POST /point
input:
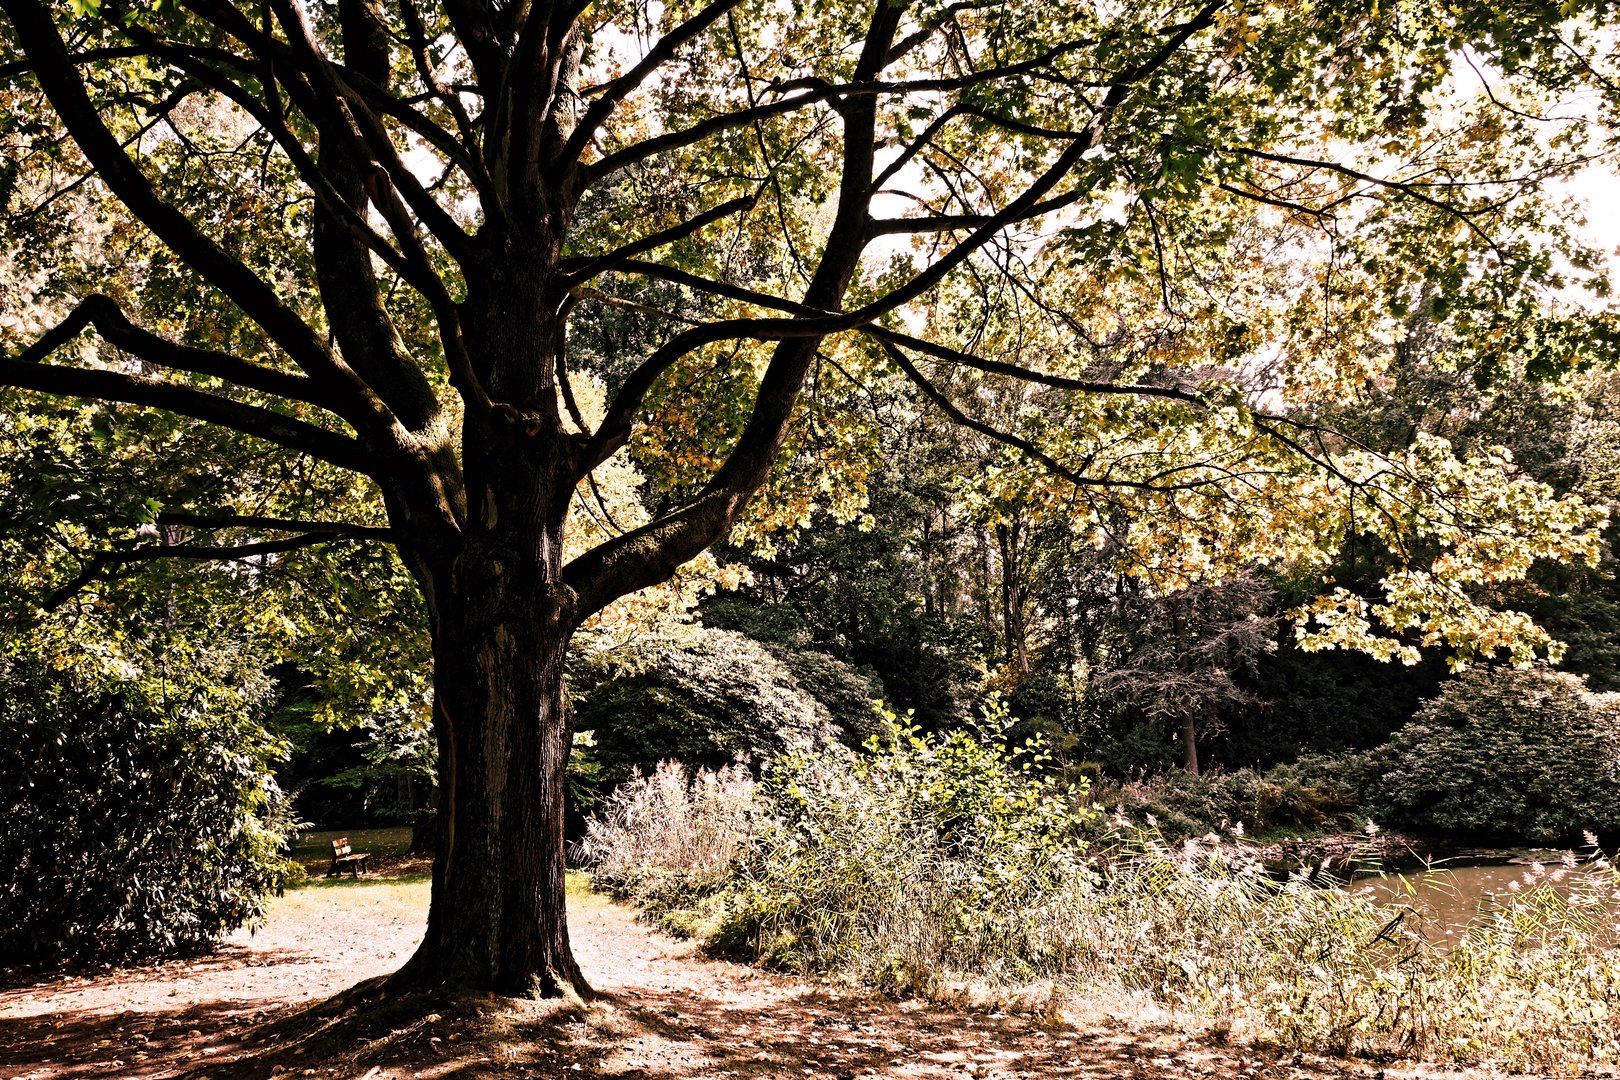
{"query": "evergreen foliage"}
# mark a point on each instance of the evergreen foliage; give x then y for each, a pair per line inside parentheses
(136, 825)
(706, 697)
(1524, 753)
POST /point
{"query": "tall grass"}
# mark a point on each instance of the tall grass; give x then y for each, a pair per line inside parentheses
(666, 838)
(924, 861)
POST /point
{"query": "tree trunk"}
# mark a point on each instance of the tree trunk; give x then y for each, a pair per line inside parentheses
(1189, 742)
(1012, 597)
(497, 920)
(501, 622)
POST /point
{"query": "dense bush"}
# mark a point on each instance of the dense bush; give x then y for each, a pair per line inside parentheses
(850, 695)
(1313, 793)
(1530, 753)
(706, 697)
(913, 854)
(916, 854)
(927, 860)
(133, 826)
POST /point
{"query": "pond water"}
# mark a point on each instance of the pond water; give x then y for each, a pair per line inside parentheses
(1453, 895)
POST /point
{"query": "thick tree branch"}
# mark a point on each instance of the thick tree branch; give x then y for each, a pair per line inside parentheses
(650, 554)
(37, 34)
(353, 116)
(104, 565)
(343, 236)
(104, 385)
(474, 26)
(416, 33)
(531, 109)
(115, 327)
(201, 65)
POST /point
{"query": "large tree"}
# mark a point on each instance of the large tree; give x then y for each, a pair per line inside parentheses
(407, 242)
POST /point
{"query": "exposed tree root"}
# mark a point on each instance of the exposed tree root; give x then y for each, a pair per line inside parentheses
(379, 1026)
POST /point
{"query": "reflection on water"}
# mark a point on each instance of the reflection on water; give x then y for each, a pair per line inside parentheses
(1453, 896)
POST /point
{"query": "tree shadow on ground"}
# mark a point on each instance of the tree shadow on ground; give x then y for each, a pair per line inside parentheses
(146, 1044)
(663, 1013)
(65, 1041)
(19, 984)
(844, 1036)
(368, 1033)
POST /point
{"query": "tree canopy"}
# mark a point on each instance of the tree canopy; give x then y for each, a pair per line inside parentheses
(427, 274)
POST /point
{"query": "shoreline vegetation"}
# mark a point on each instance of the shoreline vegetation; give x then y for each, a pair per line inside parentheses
(924, 862)
(1345, 854)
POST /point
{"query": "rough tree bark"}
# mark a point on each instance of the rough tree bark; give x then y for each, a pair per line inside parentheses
(497, 916)
(501, 617)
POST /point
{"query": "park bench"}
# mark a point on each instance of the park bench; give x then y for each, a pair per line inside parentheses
(343, 857)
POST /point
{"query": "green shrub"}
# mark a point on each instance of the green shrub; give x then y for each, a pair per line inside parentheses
(1531, 753)
(850, 695)
(706, 697)
(133, 827)
(918, 855)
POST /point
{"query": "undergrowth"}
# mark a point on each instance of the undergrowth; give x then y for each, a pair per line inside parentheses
(1313, 794)
(928, 859)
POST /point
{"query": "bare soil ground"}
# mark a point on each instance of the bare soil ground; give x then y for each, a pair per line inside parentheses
(263, 1006)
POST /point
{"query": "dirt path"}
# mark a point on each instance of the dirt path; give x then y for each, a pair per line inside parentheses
(664, 1013)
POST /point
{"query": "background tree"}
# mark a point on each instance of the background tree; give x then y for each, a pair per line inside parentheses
(365, 240)
(1181, 657)
(900, 590)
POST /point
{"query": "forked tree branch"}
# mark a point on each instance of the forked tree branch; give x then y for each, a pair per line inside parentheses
(582, 270)
(617, 90)
(103, 313)
(39, 38)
